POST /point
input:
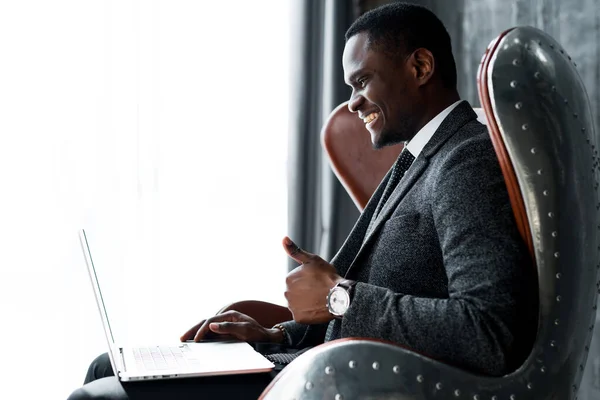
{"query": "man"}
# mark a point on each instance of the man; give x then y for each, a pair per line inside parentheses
(435, 262)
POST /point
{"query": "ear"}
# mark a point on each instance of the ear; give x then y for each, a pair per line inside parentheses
(423, 65)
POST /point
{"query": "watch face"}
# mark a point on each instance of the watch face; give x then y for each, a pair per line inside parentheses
(339, 301)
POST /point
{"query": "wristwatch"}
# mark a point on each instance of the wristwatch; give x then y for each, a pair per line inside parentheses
(339, 298)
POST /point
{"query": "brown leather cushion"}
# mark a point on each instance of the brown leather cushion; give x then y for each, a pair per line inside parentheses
(358, 166)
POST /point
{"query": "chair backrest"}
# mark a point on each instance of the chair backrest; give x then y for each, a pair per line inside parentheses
(540, 122)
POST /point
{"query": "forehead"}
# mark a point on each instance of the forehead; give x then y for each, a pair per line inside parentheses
(360, 57)
(356, 54)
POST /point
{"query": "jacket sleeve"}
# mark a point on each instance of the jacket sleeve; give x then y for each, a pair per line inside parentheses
(300, 336)
(490, 276)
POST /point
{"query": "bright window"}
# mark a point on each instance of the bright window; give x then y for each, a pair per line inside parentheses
(160, 127)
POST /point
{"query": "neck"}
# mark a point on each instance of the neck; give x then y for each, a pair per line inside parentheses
(436, 104)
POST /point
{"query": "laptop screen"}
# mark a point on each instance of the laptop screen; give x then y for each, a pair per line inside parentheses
(99, 300)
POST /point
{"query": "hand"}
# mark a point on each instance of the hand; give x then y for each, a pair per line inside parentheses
(308, 285)
(234, 324)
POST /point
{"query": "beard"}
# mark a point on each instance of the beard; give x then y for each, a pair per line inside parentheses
(404, 130)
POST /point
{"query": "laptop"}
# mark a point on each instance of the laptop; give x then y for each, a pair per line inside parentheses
(175, 360)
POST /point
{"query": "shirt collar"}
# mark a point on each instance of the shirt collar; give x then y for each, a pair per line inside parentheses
(418, 142)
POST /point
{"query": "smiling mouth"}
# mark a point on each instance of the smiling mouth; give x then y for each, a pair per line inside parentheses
(370, 118)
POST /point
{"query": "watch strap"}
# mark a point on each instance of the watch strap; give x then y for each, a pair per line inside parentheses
(349, 286)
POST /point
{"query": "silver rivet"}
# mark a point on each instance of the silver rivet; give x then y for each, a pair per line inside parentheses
(457, 393)
(540, 171)
(519, 105)
(309, 385)
(512, 397)
(513, 84)
(328, 370)
(582, 129)
(556, 321)
(533, 150)
(505, 47)
(476, 397)
(566, 101)
(556, 255)
(396, 369)
(352, 364)
(551, 214)
(558, 275)
(339, 397)
(554, 234)
(553, 343)
(494, 397)
(529, 386)
(558, 298)
(420, 378)
(537, 75)
(542, 369)
(517, 40)
(551, 46)
(524, 127)
(575, 115)
(438, 386)
(553, 88)
(545, 193)
(375, 365)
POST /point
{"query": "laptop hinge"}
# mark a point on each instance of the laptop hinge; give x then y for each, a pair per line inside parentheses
(122, 359)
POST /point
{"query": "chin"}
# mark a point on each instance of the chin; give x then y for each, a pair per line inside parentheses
(376, 141)
(382, 140)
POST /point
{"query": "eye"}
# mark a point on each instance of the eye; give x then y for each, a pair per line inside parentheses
(361, 81)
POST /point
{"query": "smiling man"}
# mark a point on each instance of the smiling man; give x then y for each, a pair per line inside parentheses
(435, 262)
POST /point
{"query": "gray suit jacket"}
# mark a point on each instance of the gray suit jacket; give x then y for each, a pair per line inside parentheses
(443, 270)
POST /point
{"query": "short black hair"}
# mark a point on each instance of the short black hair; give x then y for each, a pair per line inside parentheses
(398, 29)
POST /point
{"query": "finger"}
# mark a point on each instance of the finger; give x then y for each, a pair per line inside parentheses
(229, 330)
(203, 330)
(189, 335)
(224, 327)
(295, 252)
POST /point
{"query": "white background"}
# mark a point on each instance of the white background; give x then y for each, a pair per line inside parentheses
(160, 127)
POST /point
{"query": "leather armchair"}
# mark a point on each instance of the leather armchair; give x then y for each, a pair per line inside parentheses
(540, 122)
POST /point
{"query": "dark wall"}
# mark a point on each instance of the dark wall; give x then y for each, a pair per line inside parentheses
(575, 24)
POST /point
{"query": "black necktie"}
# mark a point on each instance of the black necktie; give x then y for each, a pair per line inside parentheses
(400, 167)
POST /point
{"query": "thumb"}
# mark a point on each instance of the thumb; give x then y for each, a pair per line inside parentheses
(295, 252)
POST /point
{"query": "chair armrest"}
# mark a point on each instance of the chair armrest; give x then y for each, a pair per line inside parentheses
(266, 314)
(358, 368)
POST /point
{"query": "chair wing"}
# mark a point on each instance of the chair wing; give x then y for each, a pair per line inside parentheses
(540, 122)
(358, 166)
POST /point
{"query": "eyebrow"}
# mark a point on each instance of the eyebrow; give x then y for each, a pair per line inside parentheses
(352, 78)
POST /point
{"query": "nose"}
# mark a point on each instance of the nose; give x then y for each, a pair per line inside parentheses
(356, 100)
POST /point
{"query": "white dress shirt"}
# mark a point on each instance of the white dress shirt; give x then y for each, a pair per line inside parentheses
(418, 142)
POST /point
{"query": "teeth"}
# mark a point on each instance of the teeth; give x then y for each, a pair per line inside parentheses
(370, 117)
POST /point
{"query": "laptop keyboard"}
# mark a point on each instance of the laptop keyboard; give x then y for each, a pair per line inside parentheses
(160, 358)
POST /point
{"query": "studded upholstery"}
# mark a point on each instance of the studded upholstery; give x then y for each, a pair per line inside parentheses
(540, 123)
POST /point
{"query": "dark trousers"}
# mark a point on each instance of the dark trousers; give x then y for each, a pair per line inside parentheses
(100, 383)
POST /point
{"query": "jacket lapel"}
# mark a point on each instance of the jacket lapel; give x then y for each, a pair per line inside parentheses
(347, 253)
(461, 114)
